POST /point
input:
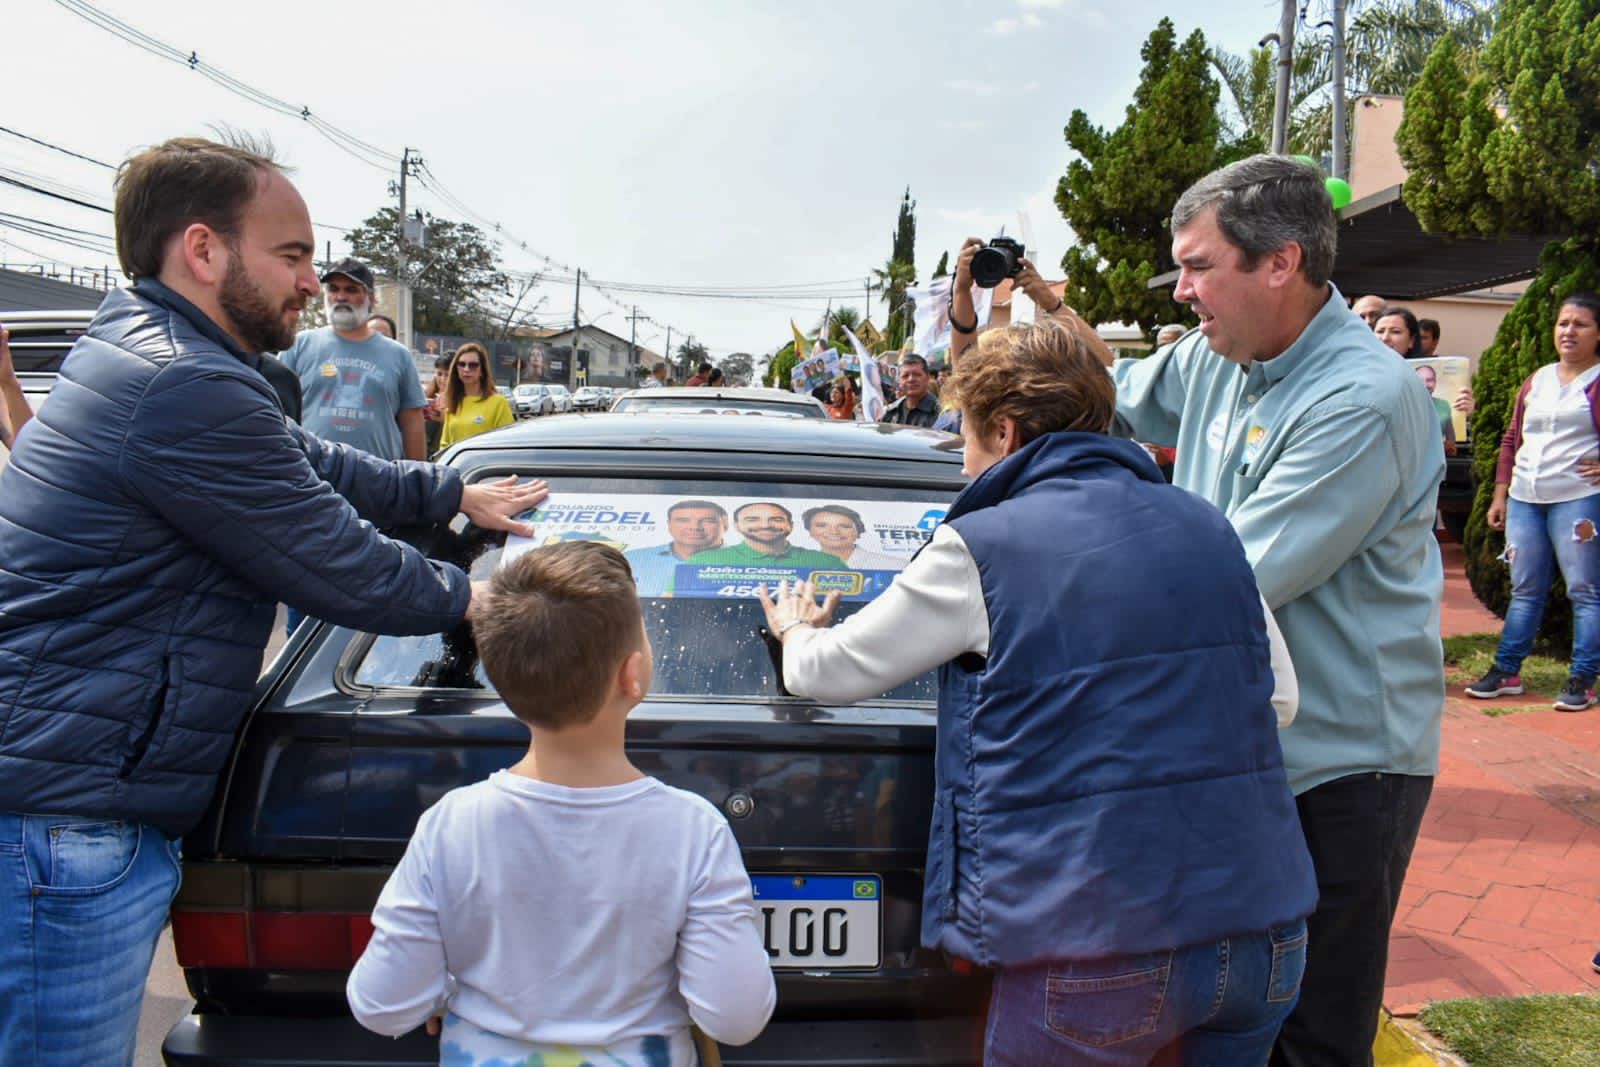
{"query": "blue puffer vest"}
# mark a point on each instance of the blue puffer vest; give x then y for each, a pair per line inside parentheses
(1109, 780)
(152, 514)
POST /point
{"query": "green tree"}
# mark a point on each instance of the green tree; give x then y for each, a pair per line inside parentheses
(943, 269)
(836, 321)
(738, 367)
(1118, 194)
(1533, 169)
(1250, 87)
(455, 275)
(783, 361)
(893, 279)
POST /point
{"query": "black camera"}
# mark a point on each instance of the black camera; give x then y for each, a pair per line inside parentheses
(996, 261)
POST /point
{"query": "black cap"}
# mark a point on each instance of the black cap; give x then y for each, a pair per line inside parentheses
(353, 269)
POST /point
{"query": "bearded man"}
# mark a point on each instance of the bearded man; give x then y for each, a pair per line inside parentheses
(359, 387)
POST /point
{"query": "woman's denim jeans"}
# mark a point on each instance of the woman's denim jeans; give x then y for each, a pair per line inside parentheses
(1540, 537)
(1214, 1005)
(82, 902)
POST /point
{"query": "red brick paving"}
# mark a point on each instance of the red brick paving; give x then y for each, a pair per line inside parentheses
(1503, 897)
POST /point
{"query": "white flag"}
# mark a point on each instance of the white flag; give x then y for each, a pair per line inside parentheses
(931, 335)
(871, 382)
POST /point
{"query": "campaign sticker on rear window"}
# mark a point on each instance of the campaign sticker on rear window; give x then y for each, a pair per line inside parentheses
(713, 546)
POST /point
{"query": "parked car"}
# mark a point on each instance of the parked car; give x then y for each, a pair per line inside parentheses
(40, 340)
(589, 398)
(530, 400)
(703, 400)
(354, 735)
(561, 398)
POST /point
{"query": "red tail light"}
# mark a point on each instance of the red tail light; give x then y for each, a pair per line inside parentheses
(290, 941)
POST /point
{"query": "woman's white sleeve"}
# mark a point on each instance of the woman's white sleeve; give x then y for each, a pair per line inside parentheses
(1285, 686)
(932, 613)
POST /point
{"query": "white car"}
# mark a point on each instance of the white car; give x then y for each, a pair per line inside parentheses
(715, 400)
(561, 398)
(529, 400)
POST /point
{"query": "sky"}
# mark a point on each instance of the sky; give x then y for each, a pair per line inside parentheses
(747, 147)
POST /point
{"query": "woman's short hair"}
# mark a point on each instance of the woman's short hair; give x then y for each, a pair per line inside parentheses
(1411, 324)
(1586, 300)
(834, 509)
(1042, 376)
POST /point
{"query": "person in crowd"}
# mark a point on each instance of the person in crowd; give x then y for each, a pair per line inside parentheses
(433, 413)
(766, 527)
(359, 387)
(1289, 415)
(1402, 331)
(15, 410)
(836, 529)
(1547, 500)
(1428, 329)
(654, 915)
(1088, 812)
(1368, 308)
(1170, 333)
(841, 400)
(384, 325)
(151, 516)
(702, 375)
(916, 405)
(1441, 407)
(693, 526)
(658, 377)
(472, 405)
(716, 379)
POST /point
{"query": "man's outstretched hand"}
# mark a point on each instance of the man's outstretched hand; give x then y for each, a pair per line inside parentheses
(495, 505)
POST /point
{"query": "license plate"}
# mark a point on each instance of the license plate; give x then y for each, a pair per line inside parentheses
(819, 921)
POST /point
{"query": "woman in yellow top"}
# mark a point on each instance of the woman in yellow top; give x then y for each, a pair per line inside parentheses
(471, 403)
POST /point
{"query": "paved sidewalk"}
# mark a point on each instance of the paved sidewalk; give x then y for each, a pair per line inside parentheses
(1503, 896)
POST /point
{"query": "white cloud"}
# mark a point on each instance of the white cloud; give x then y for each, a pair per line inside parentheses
(973, 86)
(1032, 21)
(1003, 27)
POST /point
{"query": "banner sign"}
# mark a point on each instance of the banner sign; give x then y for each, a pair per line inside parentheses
(815, 370)
(716, 546)
(1449, 375)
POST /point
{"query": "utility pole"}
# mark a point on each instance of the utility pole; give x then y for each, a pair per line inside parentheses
(633, 340)
(668, 352)
(408, 159)
(1341, 157)
(572, 364)
(1280, 108)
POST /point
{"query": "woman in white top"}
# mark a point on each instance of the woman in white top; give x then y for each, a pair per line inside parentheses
(1547, 500)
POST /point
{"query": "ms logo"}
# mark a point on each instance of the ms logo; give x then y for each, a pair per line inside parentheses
(931, 519)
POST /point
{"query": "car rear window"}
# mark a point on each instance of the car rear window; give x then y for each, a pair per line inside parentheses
(688, 405)
(698, 552)
(41, 351)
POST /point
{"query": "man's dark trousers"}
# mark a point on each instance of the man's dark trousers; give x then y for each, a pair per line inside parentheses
(1360, 830)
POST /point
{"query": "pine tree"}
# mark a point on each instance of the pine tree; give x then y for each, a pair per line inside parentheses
(1535, 169)
(1118, 195)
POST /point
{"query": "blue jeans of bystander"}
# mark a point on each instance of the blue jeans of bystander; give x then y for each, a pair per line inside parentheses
(1539, 538)
(1213, 1005)
(82, 902)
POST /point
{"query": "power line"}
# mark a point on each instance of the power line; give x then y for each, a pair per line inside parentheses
(57, 196)
(58, 148)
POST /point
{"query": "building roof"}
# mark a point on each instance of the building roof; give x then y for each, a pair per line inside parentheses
(24, 291)
(1383, 249)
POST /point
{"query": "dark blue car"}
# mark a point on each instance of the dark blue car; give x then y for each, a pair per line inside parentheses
(353, 736)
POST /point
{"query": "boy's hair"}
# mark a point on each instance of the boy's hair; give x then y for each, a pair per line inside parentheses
(554, 627)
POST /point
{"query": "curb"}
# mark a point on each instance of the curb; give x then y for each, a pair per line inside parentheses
(1406, 1043)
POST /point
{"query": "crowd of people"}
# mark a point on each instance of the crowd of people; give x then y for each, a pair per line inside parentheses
(1185, 738)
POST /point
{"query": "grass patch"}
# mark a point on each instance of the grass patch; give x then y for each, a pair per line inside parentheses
(1468, 657)
(1542, 1031)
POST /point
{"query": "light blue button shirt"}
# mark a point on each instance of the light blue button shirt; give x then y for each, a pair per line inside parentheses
(1327, 459)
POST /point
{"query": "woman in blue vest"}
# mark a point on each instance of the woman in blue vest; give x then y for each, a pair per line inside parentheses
(1112, 829)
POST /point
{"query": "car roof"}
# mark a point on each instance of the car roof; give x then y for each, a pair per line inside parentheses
(692, 393)
(721, 433)
(60, 317)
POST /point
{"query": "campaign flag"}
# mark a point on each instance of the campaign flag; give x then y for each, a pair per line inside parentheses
(801, 347)
(871, 409)
(931, 333)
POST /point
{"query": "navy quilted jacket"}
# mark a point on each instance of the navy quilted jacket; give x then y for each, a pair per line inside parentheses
(152, 515)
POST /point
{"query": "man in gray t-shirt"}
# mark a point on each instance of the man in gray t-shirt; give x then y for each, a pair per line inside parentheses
(360, 388)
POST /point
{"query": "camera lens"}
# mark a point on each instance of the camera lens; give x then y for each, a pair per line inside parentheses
(991, 266)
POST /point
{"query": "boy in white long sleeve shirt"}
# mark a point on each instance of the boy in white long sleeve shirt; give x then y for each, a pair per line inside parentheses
(569, 906)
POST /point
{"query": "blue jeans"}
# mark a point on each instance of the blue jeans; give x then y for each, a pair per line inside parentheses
(1212, 1005)
(82, 902)
(1540, 537)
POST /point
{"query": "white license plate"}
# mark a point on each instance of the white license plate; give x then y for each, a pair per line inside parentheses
(819, 921)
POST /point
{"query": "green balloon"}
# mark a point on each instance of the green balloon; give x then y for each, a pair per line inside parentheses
(1339, 190)
(1308, 161)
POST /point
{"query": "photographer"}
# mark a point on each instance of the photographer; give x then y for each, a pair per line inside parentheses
(1024, 277)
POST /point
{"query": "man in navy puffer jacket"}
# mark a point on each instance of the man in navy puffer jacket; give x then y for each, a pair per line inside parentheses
(152, 514)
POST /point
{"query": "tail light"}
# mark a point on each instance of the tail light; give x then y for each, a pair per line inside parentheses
(236, 915)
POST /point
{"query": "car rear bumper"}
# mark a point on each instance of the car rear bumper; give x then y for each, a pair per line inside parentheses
(259, 1041)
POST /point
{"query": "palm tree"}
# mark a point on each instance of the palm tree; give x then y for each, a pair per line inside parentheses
(836, 321)
(1389, 42)
(895, 277)
(1250, 83)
